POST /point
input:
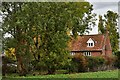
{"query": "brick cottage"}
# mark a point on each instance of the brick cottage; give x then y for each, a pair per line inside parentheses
(91, 45)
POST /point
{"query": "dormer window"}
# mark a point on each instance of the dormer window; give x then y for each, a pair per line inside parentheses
(90, 43)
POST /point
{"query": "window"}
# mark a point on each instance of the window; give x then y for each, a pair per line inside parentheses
(90, 43)
(72, 53)
(87, 53)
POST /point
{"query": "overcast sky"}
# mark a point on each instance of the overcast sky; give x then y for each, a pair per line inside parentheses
(101, 7)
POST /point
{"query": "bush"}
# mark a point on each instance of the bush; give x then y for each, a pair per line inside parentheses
(73, 67)
(95, 62)
(8, 65)
(11, 68)
(110, 60)
(81, 63)
(38, 65)
(117, 60)
(78, 64)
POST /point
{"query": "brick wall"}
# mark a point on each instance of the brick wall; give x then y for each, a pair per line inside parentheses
(95, 54)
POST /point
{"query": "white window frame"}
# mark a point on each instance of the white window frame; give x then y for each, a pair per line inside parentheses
(90, 43)
(72, 53)
(87, 53)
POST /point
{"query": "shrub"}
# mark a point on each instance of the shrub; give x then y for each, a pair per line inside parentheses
(78, 64)
(38, 65)
(117, 60)
(11, 68)
(8, 65)
(73, 67)
(109, 60)
(82, 62)
(95, 62)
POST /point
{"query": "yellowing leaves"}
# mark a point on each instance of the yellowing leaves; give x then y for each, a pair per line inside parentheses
(10, 53)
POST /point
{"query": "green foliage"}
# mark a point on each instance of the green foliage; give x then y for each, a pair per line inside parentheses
(101, 27)
(97, 61)
(11, 69)
(110, 24)
(48, 23)
(117, 62)
(110, 60)
(78, 64)
(8, 65)
(72, 67)
(14, 24)
(81, 63)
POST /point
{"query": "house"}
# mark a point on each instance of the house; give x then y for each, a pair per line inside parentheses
(91, 45)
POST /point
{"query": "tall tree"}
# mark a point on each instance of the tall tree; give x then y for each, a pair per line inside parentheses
(15, 24)
(110, 24)
(41, 29)
(101, 27)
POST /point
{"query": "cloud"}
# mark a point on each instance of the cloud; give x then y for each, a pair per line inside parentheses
(101, 5)
(100, 8)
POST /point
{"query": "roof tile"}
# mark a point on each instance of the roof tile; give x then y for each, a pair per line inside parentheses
(80, 43)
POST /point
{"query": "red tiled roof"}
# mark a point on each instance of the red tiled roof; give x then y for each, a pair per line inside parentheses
(80, 43)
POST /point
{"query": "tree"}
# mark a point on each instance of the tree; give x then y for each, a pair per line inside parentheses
(54, 39)
(41, 29)
(110, 24)
(101, 27)
(14, 23)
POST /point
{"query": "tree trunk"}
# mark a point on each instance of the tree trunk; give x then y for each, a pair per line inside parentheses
(21, 67)
(20, 60)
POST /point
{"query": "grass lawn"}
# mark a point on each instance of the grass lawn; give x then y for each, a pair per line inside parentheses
(100, 74)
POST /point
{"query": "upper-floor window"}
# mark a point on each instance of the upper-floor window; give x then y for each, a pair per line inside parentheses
(90, 43)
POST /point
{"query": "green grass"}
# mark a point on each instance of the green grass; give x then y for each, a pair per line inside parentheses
(100, 74)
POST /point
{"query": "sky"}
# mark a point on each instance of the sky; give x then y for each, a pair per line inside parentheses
(101, 7)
